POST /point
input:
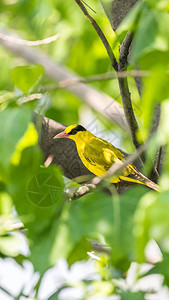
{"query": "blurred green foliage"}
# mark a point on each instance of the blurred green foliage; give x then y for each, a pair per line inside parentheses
(35, 195)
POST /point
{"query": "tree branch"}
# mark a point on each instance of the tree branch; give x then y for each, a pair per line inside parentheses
(124, 51)
(119, 9)
(29, 43)
(100, 34)
(157, 165)
(63, 152)
(158, 159)
(123, 84)
(124, 90)
(99, 101)
(115, 170)
(98, 77)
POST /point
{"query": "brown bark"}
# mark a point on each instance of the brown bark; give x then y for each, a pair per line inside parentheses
(63, 151)
(120, 8)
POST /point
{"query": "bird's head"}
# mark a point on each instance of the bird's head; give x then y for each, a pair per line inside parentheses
(74, 132)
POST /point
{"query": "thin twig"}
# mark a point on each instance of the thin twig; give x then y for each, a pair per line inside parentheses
(8, 225)
(100, 77)
(128, 110)
(5, 291)
(30, 98)
(89, 6)
(14, 226)
(125, 93)
(154, 126)
(158, 160)
(100, 34)
(15, 40)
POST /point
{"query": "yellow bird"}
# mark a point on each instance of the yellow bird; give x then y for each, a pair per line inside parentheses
(99, 155)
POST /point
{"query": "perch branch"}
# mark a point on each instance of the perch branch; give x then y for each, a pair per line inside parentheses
(63, 152)
(115, 169)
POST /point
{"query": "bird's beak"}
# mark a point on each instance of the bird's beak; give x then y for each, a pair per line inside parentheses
(61, 135)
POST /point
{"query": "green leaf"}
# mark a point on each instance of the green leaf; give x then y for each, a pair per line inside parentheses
(152, 222)
(162, 132)
(41, 190)
(128, 295)
(159, 4)
(102, 288)
(152, 34)
(20, 259)
(98, 215)
(38, 199)
(29, 138)
(9, 245)
(111, 217)
(24, 77)
(79, 252)
(41, 243)
(156, 89)
(14, 123)
(37, 192)
(5, 204)
(107, 6)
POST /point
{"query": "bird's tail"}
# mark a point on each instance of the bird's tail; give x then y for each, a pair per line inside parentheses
(140, 178)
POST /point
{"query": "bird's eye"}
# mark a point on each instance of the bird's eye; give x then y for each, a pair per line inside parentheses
(74, 131)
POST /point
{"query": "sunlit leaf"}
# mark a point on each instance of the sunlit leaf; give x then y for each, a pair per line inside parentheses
(102, 288)
(79, 252)
(38, 199)
(9, 245)
(14, 123)
(99, 215)
(30, 138)
(159, 4)
(156, 89)
(24, 77)
(152, 34)
(152, 221)
(5, 204)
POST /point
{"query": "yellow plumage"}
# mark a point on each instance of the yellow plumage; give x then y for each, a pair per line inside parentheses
(99, 155)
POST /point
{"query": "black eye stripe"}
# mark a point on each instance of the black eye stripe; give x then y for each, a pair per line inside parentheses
(73, 131)
(76, 129)
(80, 128)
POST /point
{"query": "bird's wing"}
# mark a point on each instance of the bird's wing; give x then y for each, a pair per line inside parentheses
(101, 154)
